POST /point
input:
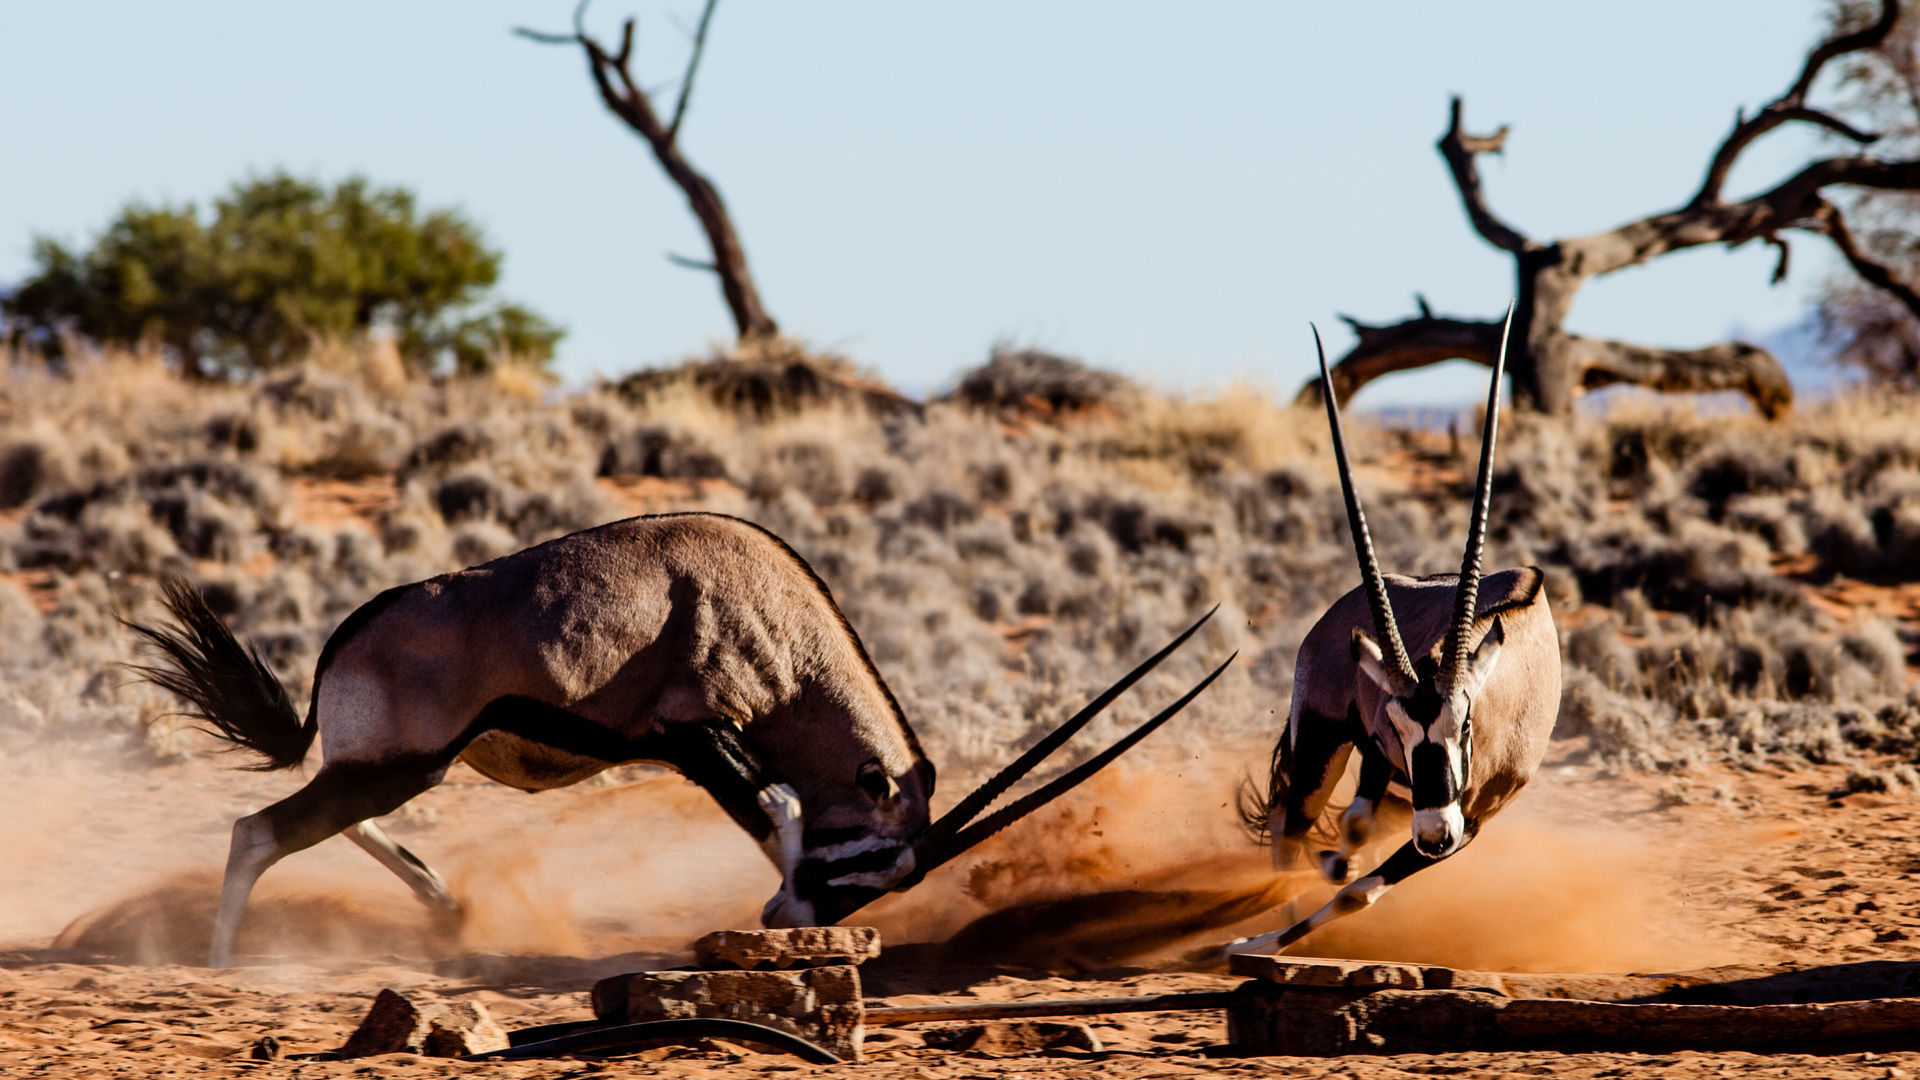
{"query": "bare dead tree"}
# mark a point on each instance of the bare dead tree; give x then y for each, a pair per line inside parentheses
(621, 93)
(1863, 313)
(1550, 366)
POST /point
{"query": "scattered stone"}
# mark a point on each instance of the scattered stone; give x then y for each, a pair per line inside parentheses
(265, 1048)
(398, 1024)
(803, 947)
(820, 1004)
(1296, 971)
(1014, 1038)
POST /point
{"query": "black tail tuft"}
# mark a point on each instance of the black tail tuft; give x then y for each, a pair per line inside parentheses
(225, 683)
(1256, 807)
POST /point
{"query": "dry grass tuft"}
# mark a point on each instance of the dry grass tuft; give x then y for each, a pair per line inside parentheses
(1711, 575)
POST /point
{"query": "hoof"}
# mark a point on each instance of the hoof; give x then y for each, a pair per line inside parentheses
(1333, 867)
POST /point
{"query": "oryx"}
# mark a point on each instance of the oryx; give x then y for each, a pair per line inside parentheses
(1450, 701)
(697, 641)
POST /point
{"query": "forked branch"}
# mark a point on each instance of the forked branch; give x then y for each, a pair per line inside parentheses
(1460, 149)
(1791, 106)
(1834, 224)
(613, 77)
(1415, 343)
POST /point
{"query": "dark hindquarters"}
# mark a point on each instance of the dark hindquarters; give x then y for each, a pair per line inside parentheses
(223, 682)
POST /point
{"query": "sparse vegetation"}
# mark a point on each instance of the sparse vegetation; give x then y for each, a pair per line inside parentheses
(1728, 590)
(282, 262)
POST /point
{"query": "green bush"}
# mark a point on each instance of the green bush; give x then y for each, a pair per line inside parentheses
(282, 262)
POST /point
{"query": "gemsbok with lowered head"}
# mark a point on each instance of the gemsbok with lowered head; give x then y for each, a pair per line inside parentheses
(1457, 732)
(697, 641)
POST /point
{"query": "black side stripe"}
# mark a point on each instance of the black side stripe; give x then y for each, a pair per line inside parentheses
(710, 752)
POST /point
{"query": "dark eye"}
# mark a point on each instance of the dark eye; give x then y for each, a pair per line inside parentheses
(873, 780)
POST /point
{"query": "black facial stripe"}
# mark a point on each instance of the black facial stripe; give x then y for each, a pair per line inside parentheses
(864, 863)
(812, 875)
(1423, 707)
(822, 837)
(1432, 777)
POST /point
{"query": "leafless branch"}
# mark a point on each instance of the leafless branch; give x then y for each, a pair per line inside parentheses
(1737, 366)
(693, 65)
(1865, 38)
(690, 263)
(545, 38)
(1415, 343)
(1460, 148)
(1834, 224)
(1791, 106)
(622, 94)
(1779, 243)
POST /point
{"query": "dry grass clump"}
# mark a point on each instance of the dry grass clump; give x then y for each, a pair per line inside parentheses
(1031, 381)
(999, 572)
(766, 378)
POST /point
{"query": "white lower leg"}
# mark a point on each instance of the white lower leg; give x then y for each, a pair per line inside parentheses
(784, 848)
(1356, 823)
(254, 849)
(428, 886)
(1355, 897)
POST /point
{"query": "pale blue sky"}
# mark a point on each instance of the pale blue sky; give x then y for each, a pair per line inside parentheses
(1172, 190)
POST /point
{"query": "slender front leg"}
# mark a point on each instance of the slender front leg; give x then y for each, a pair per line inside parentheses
(712, 754)
(1300, 790)
(1357, 896)
(1356, 821)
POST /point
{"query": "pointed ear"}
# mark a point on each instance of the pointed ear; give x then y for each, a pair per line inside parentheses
(1367, 654)
(1485, 655)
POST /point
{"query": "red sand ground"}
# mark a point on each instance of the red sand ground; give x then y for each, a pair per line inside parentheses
(1585, 874)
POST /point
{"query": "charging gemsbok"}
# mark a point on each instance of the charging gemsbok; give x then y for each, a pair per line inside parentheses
(1458, 732)
(695, 640)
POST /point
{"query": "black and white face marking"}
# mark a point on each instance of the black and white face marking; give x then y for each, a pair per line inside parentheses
(1434, 728)
(822, 865)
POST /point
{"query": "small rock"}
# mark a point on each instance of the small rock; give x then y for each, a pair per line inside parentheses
(822, 1004)
(1014, 1038)
(398, 1024)
(265, 1048)
(802, 947)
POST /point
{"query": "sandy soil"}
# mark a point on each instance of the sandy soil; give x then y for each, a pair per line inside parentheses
(111, 880)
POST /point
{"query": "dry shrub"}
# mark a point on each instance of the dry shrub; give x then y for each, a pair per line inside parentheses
(1016, 380)
(999, 572)
(765, 379)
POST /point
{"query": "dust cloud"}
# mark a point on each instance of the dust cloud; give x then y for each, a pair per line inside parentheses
(1138, 867)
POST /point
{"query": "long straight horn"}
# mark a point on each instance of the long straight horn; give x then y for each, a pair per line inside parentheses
(1384, 627)
(1067, 781)
(983, 796)
(1466, 596)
